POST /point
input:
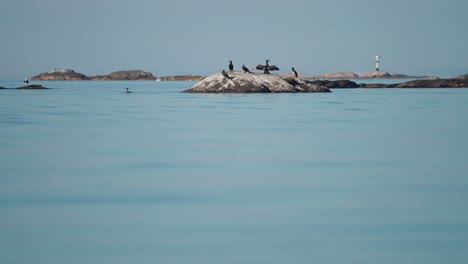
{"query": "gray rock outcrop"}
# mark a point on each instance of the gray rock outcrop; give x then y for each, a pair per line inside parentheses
(32, 87)
(183, 78)
(60, 74)
(71, 75)
(341, 75)
(457, 82)
(376, 74)
(368, 75)
(126, 75)
(240, 82)
(335, 84)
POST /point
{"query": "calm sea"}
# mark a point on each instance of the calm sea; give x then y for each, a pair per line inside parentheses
(89, 174)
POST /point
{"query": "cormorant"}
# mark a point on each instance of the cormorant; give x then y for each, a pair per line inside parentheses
(226, 76)
(294, 72)
(128, 91)
(26, 81)
(246, 70)
(231, 66)
(267, 68)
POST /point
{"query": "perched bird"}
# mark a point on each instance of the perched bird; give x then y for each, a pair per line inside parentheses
(231, 66)
(267, 68)
(226, 76)
(246, 70)
(294, 72)
(127, 91)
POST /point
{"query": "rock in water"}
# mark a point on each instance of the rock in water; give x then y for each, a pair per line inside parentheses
(126, 75)
(376, 75)
(253, 83)
(335, 84)
(60, 74)
(183, 78)
(32, 87)
(340, 75)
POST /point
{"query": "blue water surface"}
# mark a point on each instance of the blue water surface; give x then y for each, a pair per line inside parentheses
(90, 174)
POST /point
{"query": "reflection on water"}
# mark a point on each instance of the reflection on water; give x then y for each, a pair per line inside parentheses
(90, 174)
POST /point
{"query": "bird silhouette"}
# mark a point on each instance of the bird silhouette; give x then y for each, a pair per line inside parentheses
(226, 76)
(294, 72)
(246, 70)
(267, 68)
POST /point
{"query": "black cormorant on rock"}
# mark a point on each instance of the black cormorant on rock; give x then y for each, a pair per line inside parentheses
(294, 72)
(267, 68)
(246, 70)
(226, 76)
(231, 66)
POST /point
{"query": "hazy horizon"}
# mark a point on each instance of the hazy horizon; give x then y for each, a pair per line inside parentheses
(184, 37)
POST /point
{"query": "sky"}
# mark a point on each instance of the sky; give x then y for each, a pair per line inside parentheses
(172, 37)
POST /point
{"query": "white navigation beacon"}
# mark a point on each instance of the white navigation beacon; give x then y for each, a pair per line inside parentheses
(377, 57)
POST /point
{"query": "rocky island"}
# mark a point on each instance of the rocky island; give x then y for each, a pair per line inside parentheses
(183, 78)
(71, 75)
(125, 76)
(28, 87)
(240, 82)
(456, 82)
(32, 87)
(368, 75)
(131, 75)
(60, 74)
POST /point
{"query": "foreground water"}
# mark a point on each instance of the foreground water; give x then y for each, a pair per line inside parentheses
(89, 174)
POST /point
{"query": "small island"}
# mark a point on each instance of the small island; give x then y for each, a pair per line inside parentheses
(456, 82)
(241, 82)
(367, 75)
(71, 75)
(32, 87)
(183, 78)
(60, 74)
(27, 87)
(129, 75)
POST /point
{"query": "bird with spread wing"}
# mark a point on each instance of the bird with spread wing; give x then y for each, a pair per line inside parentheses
(267, 68)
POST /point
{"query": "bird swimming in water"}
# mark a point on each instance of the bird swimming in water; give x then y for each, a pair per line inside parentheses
(127, 91)
(294, 72)
(267, 68)
(246, 70)
(231, 66)
(226, 76)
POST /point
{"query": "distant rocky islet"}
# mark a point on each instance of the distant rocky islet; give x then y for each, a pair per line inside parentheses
(367, 75)
(28, 87)
(456, 82)
(71, 75)
(130, 75)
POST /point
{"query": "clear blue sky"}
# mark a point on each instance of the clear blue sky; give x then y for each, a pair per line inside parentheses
(198, 37)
